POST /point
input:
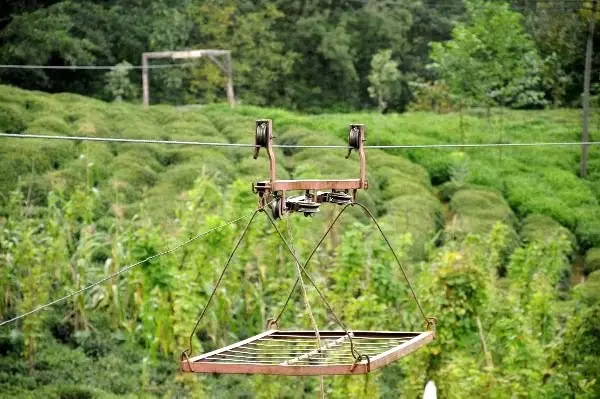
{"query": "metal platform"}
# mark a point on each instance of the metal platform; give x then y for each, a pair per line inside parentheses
(295, 353)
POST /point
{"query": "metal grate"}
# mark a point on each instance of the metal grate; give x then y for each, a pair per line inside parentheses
(296, 353)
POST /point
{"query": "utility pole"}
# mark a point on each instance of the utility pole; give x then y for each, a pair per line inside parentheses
(585, 136)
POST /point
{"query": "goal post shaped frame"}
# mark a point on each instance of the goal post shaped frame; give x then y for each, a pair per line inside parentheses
(226, 67)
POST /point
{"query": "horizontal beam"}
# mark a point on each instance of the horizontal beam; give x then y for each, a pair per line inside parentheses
(232, 346)
(286, 185)
(250, 368)
(177, 55)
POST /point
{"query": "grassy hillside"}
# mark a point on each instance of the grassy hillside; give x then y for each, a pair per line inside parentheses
(539, 180)
(449, 211)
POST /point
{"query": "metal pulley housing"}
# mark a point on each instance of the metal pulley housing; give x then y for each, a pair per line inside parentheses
(338, 191)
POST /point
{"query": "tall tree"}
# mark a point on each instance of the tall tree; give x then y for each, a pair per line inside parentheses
(490, 59)
(384, 79)
(260, 62)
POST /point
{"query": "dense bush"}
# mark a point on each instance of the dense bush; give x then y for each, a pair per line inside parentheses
(478, 210)
(592, 261)
(540, 228)
(48, 124)
(98, 207)
(11, 119)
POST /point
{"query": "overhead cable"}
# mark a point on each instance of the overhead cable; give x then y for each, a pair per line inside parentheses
(123, 270)
(247, 145)
(93, 67)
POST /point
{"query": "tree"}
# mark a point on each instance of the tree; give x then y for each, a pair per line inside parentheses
(577, 356)
(118, 84)
(260, 62)
(490, 59)
(385, 79)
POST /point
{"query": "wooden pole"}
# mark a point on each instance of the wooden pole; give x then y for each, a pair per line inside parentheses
(586, 92)
(145, 84)
(230, 94)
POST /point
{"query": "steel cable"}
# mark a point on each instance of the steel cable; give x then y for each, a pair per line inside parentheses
(122, 270)
(248, 145)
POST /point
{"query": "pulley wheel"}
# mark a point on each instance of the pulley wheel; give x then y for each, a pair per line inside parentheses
(354, 137)
(262, 136)
(276, 208)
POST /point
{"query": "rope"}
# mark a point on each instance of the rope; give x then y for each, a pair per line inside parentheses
(121, 140)
(353, 351)
(309, 259)
(94, 67)
(428, 321)
(216, 144)
(485, 145)
(120, 271)
(307, 304)
(188, 351)
(304, 292)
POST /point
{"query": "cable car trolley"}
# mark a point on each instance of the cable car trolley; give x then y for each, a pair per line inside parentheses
(307, 352)
(316, 191)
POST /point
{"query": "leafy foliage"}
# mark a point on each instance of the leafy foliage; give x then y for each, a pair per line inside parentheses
(313, 57)
(118, 84)
(75, 213)
(384, 78)
(592, 260)
(490, 58)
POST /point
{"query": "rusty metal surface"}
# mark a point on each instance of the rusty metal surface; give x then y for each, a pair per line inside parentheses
(278, 188)
(310, 184)
(295, 353)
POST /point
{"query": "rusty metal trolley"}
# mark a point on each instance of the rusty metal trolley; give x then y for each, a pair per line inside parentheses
(283, 352)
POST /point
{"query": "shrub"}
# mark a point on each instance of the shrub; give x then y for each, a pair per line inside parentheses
(477, 210)
(588, 227)
(20, 159)
(384, 168)
(447, 190)
(70, 391)
(592, 261)
(399, 188)
(49, 124)
(541, 228)
(437, 162)
(11, 119)
(418, 215)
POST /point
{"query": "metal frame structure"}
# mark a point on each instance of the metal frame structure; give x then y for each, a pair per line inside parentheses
(342, 191)
(276, 352)
(179, 55)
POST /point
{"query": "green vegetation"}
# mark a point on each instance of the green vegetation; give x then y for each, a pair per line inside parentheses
(486, 235)
(481, 69)
(592, 261)
(320, 56)
(502, 243)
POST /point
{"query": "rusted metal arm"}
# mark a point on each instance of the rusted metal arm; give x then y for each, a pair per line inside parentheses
(264, 139)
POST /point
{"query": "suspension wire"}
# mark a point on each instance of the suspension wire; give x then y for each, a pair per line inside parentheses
(123, 270)
(185, 354)
(309, 259)
(121, 140)
(303, 286)
(484, 145)
(355, 353)
(428, 321)
(94, 67)
(307, 303)
(247, 145)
